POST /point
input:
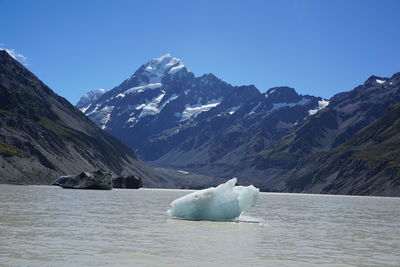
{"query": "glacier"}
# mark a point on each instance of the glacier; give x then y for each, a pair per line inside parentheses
(222, 203)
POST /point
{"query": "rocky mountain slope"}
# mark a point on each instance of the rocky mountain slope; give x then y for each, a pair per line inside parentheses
(174, 119)
(367, 164)
(350, 147)
(43, 136)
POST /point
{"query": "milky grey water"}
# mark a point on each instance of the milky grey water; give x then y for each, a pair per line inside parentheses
(50, 226)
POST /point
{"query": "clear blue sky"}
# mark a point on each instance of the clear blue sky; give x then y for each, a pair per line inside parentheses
(318, 47)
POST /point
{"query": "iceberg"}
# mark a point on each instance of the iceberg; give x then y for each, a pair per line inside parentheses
(222, 203)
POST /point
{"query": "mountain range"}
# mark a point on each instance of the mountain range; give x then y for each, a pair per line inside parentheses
(278, 140)
(174, 119)
(195, 132)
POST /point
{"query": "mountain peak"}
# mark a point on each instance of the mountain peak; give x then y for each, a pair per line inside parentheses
(395, 76)
(166, 64)
(3, 52)
(281, 90)
(155, 70)
(89, 98)
(282, 94)
(167, 56)
(374, 80)
(5, 56)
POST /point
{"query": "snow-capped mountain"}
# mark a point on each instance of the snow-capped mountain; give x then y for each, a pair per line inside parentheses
(170, 116)
(88, 98)
(150, 92)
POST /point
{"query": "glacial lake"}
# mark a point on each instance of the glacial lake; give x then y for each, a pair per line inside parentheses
(50, 226)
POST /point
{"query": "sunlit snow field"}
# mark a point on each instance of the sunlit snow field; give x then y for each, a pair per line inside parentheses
(42, 225)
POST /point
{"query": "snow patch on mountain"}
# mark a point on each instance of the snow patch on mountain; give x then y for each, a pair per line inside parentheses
(85, 108)
(88, 98)
(132, 119)
(253, 110)
(92, 111)
(105, 114)
(193, 111)
(233, 110)
(142, 88)
(151, 107)
(380, 81)
(170, 99)
(176, 69)
(321, 104)
(270, 93)
(276, 106)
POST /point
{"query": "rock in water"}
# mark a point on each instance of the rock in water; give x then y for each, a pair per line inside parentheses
(62, 179)
(130, 182)
(87, 180)
(222, 203)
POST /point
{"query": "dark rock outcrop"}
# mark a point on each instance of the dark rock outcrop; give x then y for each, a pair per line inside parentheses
(98, 180)
(62, 180)
(86, 180)
(129, 182)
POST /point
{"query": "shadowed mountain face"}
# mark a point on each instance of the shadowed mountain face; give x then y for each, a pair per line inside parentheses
(350, 147)
(174, 119)
(367, 164)
(43, 136)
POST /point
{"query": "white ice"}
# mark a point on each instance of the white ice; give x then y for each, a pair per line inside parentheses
(151, 108)
(255, 108)
(193, 111)
(103, 116)
(222, 203)
(321, 105)
(275, 106)
(157, 68)
(233, 110)
(142, 88)
(380, 81)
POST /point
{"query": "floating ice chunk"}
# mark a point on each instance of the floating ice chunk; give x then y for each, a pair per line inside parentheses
(248, 196)
(222, 203)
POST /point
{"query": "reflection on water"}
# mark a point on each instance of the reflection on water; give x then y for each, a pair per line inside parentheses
(42, 225)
